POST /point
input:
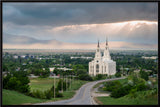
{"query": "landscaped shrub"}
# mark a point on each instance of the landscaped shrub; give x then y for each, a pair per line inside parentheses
(48, 94)
(64, 85)
(59, 94)
(59, 86)
(38, 94)
(24, 89)
(52, 90)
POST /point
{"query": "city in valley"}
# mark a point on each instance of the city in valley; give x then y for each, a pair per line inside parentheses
(70, 70)
(79, 53)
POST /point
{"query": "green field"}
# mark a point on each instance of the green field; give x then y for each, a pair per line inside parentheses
(46, 83)
(42, 83)
(15, 98)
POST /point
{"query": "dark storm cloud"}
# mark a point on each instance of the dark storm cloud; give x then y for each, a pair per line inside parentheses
(59, 14)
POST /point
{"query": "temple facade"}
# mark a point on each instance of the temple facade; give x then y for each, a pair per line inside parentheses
(102, 64)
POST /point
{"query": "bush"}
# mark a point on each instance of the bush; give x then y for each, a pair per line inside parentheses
(59, 86)
(59, 94)
(48, 94)
(122, 91)
(111, 85)
(24, 89)
(5, 81)
(141, 87)
(132, 92)
(100, 76)
(35, 93)
(85, 77)
(52, 90)
(38, 94)
(64, 85)
(12, 83)
(118, 74)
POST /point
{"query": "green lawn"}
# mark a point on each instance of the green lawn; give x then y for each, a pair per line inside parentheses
(14, 98)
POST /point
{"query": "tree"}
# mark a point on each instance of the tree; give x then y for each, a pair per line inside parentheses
(81, 71)
(85, 77)
(118, 74)
(17, 81)
(144, 75)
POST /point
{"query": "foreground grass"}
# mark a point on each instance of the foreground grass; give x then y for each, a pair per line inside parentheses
(153, 100)
(15, 98)
(140, 99)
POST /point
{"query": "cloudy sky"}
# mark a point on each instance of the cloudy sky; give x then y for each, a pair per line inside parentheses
(80, 25)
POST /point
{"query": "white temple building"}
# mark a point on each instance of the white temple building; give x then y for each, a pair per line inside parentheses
(102, 64)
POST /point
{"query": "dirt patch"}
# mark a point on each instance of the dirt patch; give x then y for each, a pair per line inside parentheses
(97, 101)
(27, 104)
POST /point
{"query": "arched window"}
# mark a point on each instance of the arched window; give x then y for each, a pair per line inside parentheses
(97, 68)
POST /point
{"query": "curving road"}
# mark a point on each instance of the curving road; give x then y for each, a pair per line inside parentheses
(82, 97)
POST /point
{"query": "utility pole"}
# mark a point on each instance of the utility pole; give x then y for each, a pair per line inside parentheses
(54, 84)
(66, 82)
(62, 83)
(70, 81)
(54, 87)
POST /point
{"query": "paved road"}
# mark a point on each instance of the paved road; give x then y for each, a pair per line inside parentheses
(82, 97)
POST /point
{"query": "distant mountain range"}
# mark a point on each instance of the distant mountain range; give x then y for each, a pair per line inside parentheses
(25, 42)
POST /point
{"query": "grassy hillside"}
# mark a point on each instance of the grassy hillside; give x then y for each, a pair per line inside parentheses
(15, 98)
(126, 100)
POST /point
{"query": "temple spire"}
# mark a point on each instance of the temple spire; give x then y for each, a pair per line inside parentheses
(106, 41)
(98, 43)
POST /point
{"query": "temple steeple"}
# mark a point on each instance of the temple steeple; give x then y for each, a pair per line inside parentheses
(106, 51)
(98, 53)
(102, 65)
(106, 41)
(98, 43)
